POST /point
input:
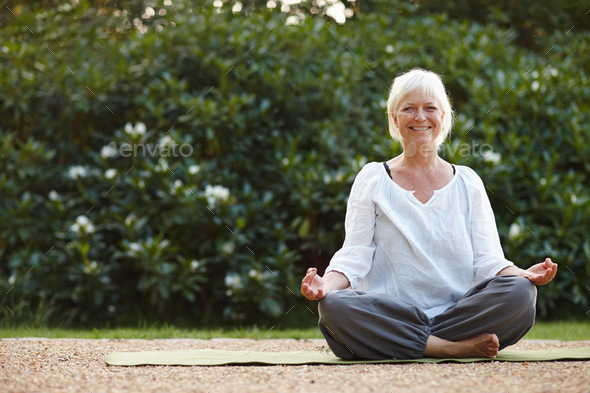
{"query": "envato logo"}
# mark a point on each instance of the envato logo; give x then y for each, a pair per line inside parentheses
(485, 150)
(168, 148)
(474, 149)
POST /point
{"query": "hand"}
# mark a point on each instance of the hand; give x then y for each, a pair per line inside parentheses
(541, 273)
(314, 287)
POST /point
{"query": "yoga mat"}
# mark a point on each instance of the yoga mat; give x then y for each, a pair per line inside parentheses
(215, 357)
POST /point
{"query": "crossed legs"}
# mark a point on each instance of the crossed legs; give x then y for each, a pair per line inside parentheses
(492, 315)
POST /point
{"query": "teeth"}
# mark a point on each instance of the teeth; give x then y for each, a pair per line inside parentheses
(420, 128)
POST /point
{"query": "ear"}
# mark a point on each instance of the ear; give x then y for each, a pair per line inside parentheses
(394, 119)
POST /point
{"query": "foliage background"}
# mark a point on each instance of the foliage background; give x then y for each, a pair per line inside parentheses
(279, 110)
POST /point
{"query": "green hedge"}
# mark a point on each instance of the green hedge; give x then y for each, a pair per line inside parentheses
(191, 164)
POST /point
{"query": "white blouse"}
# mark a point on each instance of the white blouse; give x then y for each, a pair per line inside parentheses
(427, 254)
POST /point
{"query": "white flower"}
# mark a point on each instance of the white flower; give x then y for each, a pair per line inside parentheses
(129, 129)
(130, 219)
(66, 7)
(92, 267)
(174, 189)
(389, 48)
(54, 196)
(337, 11)
(110, 173)
(574, 199)
(255, 274)
(492, 157)
(194, 169)
(234, 281)
(515, 231)
(12, 280)
(535, 85)
(292, 20)
(162, 165)
(140, 128)
(134, 247)
(109, 150)
(216, 194)
(83, 224)
(77, 171)
(148, 13)
(166, 141)
(543, 181)
(227, 248)
(194, 265)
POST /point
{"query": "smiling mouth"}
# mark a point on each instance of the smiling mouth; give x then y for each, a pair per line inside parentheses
(420, 128)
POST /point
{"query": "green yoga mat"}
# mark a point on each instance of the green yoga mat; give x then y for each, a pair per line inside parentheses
(215, 357)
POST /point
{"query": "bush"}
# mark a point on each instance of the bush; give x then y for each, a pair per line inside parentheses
(189, 165)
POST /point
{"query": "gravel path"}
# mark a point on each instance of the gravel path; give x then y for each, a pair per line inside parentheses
(74, 365)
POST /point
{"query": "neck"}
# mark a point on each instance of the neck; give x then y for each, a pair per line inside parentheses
(422, 157)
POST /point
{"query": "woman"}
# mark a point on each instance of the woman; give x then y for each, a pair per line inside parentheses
(421, 272)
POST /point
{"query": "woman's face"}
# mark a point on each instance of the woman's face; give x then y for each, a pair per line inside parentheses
(419, 119)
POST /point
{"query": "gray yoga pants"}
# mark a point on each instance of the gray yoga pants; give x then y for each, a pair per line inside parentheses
(378, 326)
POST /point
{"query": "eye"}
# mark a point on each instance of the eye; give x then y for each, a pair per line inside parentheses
(408, 109)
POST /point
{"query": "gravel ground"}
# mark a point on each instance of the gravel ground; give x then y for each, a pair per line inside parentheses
(74, 365)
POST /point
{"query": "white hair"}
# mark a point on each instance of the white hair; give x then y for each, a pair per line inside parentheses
(427, 82)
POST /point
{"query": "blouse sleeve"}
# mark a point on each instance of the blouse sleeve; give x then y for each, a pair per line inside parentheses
(355, 258)
(488, 257)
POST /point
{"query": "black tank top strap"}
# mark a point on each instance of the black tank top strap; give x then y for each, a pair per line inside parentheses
(387, 170)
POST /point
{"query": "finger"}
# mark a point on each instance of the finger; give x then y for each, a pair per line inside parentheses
(550, 262)
(309, 276)
(308, 273)
(546, 277)
(307, 291)
(310, 295)
(537, 279)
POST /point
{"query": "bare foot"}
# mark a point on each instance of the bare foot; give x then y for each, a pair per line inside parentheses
(485, 345)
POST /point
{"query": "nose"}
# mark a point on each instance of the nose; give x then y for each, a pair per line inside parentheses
(419, 115)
